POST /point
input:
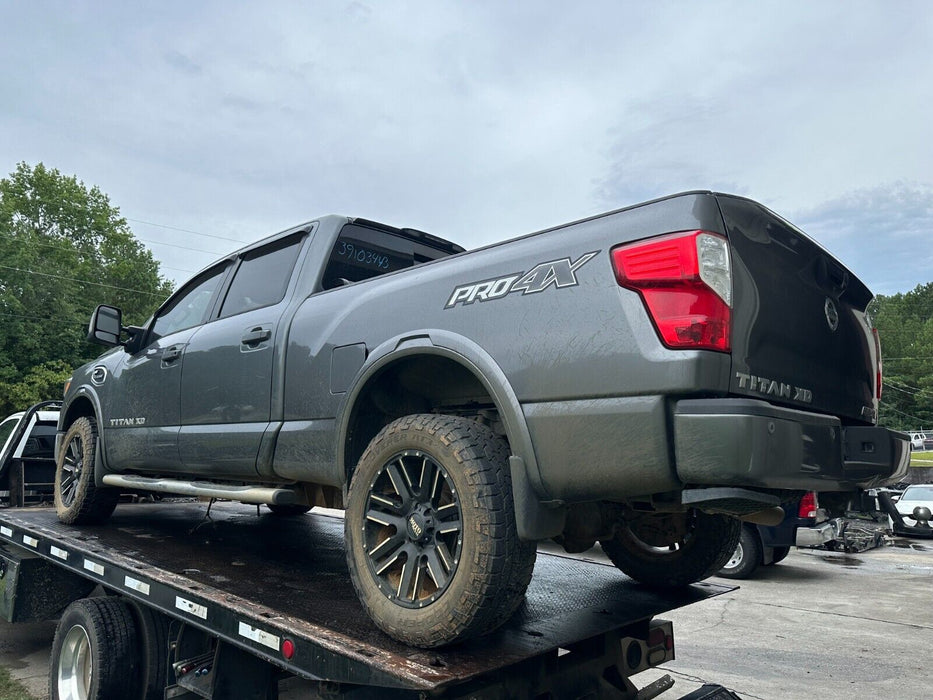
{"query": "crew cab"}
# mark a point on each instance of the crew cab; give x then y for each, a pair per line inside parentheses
(645, 379)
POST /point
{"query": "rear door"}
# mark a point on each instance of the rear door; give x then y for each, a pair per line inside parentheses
(227, 375)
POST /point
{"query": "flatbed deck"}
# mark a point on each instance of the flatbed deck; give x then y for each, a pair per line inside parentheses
(256, 580)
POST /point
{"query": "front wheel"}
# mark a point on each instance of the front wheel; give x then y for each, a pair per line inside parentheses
(669, 550)
(432, 546)
(78, 500)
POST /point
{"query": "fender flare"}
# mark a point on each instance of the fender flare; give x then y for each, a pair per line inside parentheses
(88, 393)
(537, 516)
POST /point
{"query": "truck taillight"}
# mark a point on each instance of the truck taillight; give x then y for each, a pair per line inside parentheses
(808, 505)
(685, 281)
(878, 374)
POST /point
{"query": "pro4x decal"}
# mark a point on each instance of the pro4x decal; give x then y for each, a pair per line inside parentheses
(557, 273)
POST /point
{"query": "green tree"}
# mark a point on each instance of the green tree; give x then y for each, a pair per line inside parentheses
(63, 249)
(905, 326)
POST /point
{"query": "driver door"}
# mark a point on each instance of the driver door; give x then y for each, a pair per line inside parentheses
(141, 405)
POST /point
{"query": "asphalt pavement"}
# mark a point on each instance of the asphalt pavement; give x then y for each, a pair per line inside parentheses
(818, 625)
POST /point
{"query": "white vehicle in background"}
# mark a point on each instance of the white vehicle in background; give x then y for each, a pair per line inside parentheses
(27, 456)
(920, 440)
(915, 506)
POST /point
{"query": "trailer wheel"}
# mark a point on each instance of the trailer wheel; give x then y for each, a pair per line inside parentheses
(288, 510)
(78, 500)
(94, 652)
(152, 628)
(669, 550)
(746, 557)
(432, 547)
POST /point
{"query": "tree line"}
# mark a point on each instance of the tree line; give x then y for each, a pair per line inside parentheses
(63, 249)
(905, 327)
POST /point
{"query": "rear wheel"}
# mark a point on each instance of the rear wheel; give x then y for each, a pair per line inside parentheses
(78, 500)
(746, 557)
(433, 550)
(94, 653)
(669, 550)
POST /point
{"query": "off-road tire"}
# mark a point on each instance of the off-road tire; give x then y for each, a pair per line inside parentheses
(747, 556)
(94, 653)
(78, 500)
(708, 544)
(494, 567)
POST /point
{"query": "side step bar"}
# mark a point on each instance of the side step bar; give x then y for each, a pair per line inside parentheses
(244, 494)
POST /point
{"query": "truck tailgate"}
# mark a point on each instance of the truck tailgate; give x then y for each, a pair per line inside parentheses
(800, 335)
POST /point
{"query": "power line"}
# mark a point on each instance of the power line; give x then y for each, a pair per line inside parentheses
(141, 240)
(172, 245)
(185, 230)
(73, 279)
(76, 319)
(901, 413)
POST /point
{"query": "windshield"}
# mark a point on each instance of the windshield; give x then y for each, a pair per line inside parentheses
(918, 493)
(6, 429)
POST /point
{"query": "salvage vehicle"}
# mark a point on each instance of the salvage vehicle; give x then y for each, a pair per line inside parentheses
(806, 525)
(27, 455)
(645, 379)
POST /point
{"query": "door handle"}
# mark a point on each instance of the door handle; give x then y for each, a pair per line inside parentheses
(171, 354)
(256, 336)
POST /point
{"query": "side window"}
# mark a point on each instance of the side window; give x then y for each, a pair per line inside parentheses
(263, 276)
(189, 307)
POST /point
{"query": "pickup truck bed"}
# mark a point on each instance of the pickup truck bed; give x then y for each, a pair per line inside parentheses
(238, 575)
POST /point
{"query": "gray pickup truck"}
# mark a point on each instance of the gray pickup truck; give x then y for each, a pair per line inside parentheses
(646, 379)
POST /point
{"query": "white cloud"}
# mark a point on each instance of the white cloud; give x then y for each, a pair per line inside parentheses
(476, 121)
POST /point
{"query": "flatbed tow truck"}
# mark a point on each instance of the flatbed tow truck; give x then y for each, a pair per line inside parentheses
(187, 600)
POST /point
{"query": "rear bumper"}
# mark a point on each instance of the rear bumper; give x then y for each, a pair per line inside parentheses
(818, 535)
(746, 442)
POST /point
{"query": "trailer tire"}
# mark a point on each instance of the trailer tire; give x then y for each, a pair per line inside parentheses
(78, 499)
(94, 653)
(152, 628)
(432, 546)
(747, 555)
(670, 550)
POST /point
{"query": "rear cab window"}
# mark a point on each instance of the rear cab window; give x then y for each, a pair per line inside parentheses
(362, 252)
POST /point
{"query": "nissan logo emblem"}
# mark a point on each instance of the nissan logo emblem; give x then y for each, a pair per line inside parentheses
(832, 314)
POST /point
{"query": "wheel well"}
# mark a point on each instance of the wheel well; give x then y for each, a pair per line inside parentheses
(80, 407)
(416, 384)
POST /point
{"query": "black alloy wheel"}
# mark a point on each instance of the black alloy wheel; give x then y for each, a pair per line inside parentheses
(413, 530)
(72, 469)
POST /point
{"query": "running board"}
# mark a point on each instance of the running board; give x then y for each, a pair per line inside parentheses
(244, 494)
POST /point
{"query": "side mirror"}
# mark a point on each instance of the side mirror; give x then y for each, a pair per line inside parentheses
(106, 326)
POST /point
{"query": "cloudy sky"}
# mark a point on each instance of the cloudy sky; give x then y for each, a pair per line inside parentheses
(213, 123)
